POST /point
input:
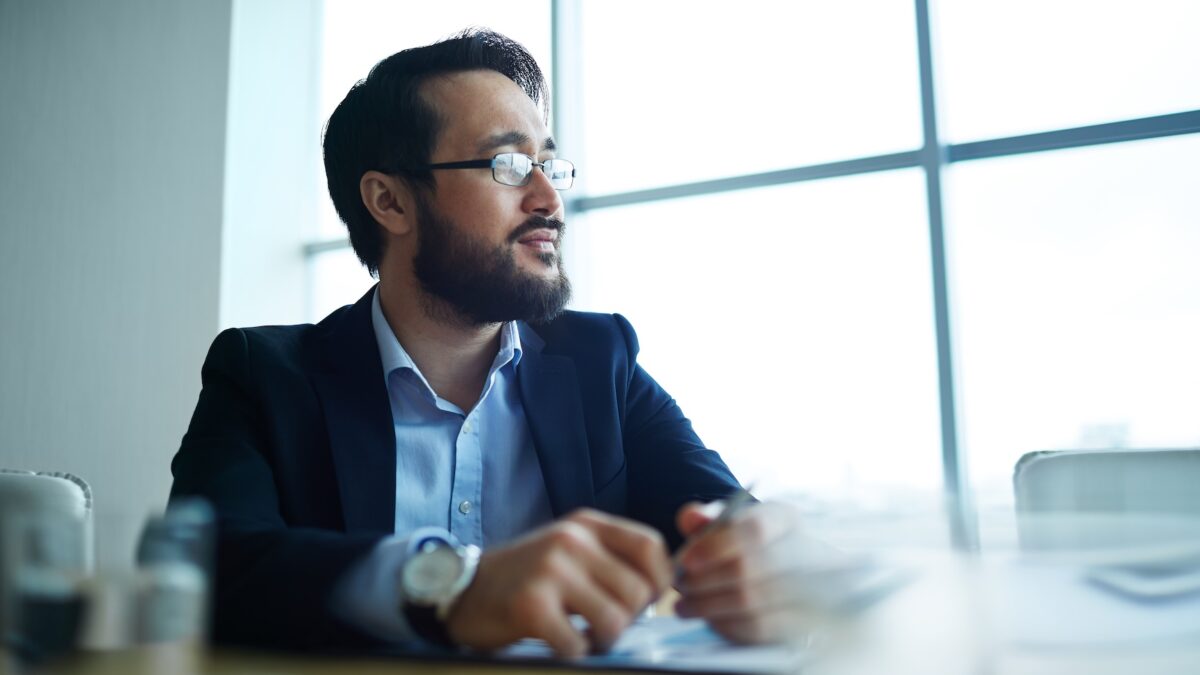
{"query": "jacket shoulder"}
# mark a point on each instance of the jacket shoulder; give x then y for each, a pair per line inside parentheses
(587, 333)
(282, 341)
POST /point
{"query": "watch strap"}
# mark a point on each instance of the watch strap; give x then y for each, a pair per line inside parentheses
(424, 621)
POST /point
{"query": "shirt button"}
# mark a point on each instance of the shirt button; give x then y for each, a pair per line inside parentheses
(464, 507)
(467, 428)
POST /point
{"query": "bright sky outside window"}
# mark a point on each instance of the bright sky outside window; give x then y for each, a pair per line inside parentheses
(793, 325)
(1078, 303)
(1024, 66)
(743, 87)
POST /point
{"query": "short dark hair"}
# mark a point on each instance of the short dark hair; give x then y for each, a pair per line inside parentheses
(385, 125)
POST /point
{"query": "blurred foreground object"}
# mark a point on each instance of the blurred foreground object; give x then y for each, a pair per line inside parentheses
(45, 549)
(53, 602)
(176, 551)
(165, 597)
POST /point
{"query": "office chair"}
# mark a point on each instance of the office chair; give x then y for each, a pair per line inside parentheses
(1090, 499)
(1111, 481)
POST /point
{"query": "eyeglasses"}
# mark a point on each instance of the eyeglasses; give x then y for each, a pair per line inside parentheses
(514, 168)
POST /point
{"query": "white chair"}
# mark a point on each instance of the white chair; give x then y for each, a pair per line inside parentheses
(1109, 481)
(1109, 499)
(29, 499)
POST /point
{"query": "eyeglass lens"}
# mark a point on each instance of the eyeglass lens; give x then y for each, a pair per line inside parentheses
(514, 168)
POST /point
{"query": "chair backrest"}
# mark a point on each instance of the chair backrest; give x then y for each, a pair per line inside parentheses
(62, 499)
(1110, 481)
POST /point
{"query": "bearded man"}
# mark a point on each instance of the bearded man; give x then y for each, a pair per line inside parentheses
(455, 459)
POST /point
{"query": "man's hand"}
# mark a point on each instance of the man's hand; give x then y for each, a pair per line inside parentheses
(746, 577)
(604, 568)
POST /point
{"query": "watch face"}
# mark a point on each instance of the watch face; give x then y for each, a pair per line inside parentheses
(430, 575)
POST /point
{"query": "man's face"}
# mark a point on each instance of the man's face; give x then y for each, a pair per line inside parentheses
(491, 251)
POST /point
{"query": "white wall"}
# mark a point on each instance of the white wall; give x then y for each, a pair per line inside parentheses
(112, 148)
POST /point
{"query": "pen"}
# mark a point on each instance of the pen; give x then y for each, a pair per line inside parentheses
(734, 504)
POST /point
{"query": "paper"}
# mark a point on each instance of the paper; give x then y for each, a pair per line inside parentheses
(669, 643)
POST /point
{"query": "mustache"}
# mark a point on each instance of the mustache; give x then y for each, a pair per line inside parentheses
(537, 223)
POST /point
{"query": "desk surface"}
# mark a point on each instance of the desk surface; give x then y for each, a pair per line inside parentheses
(936, 625)
(946, 659)
(179, 661)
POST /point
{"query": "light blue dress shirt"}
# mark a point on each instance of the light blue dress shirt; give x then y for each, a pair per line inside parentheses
(466, 475)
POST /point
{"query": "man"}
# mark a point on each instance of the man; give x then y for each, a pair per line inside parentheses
(355, 464)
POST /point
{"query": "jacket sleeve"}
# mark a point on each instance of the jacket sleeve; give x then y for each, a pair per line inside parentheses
(668, 463)
(274, 583)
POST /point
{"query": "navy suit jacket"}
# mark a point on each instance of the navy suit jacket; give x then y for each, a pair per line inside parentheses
(292, 442)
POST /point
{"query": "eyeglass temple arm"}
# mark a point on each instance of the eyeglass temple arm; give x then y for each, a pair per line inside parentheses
(467, 164)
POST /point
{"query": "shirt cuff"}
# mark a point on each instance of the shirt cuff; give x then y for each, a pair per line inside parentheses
(368, 595)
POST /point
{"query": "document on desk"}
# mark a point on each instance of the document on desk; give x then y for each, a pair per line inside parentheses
(671, 644)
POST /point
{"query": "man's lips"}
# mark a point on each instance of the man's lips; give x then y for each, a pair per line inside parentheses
(539, 235)
(540, 238)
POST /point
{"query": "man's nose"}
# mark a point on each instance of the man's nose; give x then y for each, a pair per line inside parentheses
(540, 196)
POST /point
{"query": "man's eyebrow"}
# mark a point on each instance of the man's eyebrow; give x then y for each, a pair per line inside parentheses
(502, 139)
(513, 138)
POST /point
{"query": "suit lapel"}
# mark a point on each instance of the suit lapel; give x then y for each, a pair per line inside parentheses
(349, 381)
(554, 412)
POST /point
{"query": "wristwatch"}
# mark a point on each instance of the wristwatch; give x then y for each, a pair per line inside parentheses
(431, 580)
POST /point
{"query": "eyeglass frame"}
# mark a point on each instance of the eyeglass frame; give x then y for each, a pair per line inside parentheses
(491, 164)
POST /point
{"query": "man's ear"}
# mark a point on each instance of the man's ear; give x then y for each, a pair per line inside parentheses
(389, 200)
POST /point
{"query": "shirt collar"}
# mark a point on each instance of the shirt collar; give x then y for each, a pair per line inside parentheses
(393, 356)
(510, 345)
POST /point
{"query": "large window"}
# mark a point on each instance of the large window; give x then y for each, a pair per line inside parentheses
(848, 287)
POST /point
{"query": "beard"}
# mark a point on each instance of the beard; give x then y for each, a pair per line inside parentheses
(477, 283)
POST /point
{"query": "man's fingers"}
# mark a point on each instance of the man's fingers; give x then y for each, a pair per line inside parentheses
(623, 583)
(604, 568)
(763, 628)
(747, 568)
(579, 542)
(547, 621)
(728, 601)
(755, 529)
(817, 591)
(693, 516)
(606, 617)
(640, 546)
